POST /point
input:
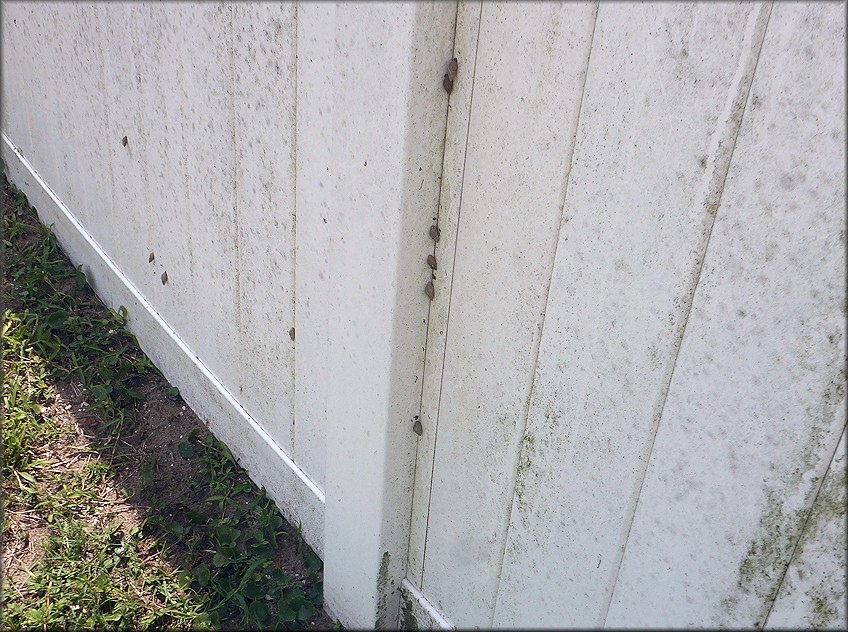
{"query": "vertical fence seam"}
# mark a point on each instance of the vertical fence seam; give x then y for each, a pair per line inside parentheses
(450, 294)
(429, 312)
(236, 223)
(101, 34)
(294, 148)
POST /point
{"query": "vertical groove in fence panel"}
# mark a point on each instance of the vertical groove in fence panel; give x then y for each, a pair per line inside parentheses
(516, 165)
(636, 216)
(754, 411)
(315, 62)
(812, 594)
(263, 43)
(453, 167)
(85, 166)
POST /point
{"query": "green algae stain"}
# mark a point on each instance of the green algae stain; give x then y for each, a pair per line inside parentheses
(382, 590)
(551, 418)
(408, 620)
(772, 549)
(525, 461)
(823, 612)
(830, 509)
(768, 554)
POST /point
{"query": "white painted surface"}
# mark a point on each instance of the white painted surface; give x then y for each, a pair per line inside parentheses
(284, 163)
(385, 177)
(756, 403)
(186, 58)
(15, 67)
(647, 160)
(506, 235)
(387, 134)
(153, 175)
(812, 594)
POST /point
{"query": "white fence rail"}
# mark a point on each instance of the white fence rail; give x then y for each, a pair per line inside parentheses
(631, 376)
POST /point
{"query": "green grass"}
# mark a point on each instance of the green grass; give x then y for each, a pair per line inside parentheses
(98, 553)
(95, 578)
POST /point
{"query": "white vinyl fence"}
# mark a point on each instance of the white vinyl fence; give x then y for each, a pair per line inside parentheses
(630, 380)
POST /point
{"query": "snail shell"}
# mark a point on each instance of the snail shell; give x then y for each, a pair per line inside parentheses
(453, 67)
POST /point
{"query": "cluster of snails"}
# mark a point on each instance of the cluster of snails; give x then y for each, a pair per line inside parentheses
(435, 233)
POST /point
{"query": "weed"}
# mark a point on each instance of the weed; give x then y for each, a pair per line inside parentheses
(239, 529)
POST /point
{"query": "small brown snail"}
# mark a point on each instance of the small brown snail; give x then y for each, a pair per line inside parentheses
(453, 67)
(447, 84)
